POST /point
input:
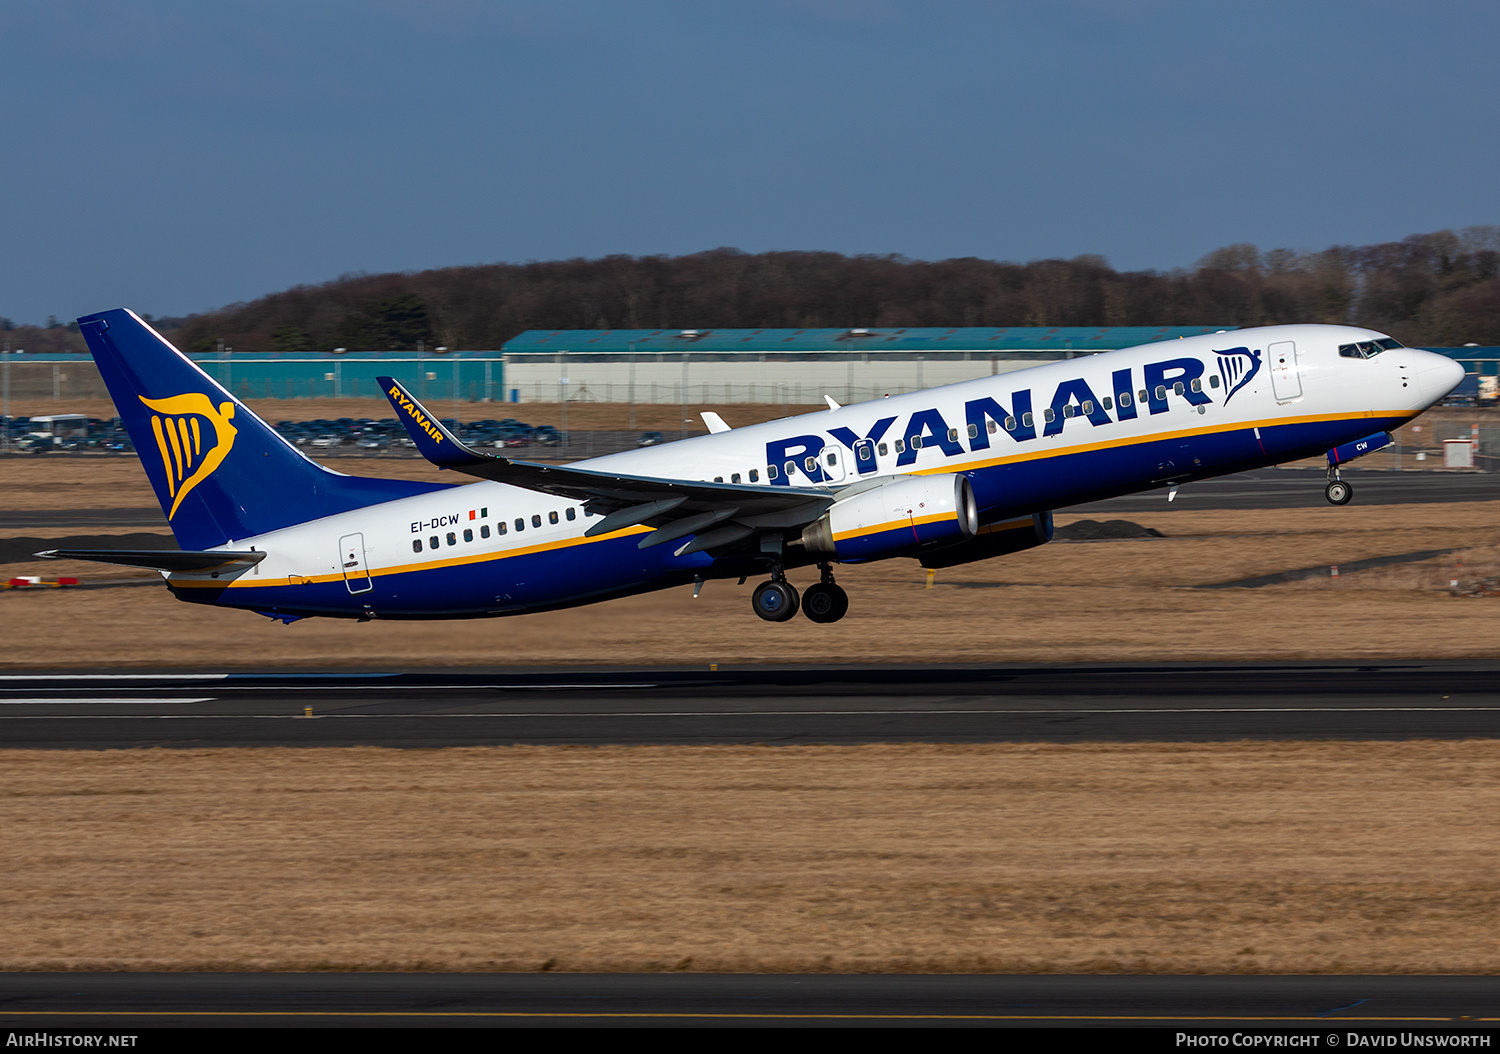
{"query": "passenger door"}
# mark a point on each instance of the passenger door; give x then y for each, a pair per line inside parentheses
(352, 559)
(1286, 377)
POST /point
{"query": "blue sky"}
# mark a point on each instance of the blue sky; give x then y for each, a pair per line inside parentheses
(175, 157)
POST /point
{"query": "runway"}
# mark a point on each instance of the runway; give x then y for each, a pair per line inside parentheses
(1311, 1005)
(829, 704)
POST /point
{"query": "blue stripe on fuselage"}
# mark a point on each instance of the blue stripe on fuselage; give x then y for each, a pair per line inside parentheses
(616, 566)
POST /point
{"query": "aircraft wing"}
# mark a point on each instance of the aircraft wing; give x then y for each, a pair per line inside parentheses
(719, 514)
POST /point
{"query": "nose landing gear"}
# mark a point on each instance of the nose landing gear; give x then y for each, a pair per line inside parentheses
(1337, 492)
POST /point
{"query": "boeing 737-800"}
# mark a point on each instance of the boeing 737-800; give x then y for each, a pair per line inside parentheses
(949, 475)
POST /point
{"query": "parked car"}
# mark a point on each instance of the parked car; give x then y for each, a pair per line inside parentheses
(650, 439)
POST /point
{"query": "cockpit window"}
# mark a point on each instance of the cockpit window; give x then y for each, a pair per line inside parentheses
(1367, 349)
(1389, 342)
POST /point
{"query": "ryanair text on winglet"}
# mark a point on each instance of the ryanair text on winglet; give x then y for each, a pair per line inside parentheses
(416, 415)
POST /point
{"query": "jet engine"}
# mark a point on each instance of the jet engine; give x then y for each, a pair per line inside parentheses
(896, 518)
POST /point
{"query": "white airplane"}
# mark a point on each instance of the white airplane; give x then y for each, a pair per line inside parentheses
(948, 475)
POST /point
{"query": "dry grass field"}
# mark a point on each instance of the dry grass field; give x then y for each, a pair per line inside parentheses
(1214, 858)
(1182, 858)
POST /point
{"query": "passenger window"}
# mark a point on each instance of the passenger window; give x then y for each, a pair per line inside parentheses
(953, 435)
(810, 464)
(1124, 400)
(500, 527)
(520, 524)
(452, 538)
(1177, 388)
(1048, 415)
(791, 469)
(1068, 411)
(1107, 404)
(734, 477)
(1213, 380)
(1010, 425)
(432, 543)
(416, 545)
(571, 513)
(770, 472)
(1161, 392)
(882, 449)
(536, 519)
(552, 516)
(900, 446)
(468, 535)
(1088, 407)
(1027, 419)
(974, 430)
(833, 459)
(718, 479)
(916, 442)
(1145, 396)
(755, 476)
(484, 530)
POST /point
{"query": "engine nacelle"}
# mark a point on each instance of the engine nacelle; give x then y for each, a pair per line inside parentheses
(896, 519)
(995, 539)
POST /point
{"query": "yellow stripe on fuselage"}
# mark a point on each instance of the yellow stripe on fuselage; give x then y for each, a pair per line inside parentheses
(245, 581)
(1108, 444)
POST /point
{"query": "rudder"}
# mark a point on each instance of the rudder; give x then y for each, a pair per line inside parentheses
(219, 471)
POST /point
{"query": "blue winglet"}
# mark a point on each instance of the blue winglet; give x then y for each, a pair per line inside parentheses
(433, 441)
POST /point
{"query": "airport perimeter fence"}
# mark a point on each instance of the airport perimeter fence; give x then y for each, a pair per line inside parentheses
(1425, 454)
(80, 380)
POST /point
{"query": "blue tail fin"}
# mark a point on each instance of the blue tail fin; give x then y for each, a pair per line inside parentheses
(220, 473)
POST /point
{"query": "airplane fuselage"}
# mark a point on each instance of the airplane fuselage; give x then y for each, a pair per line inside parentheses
(1028, 441)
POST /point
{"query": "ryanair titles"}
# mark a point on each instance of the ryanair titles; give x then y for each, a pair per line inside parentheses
(415, 413)
(1073, 399)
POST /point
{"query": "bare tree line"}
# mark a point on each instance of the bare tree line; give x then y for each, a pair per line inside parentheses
(1439, 289)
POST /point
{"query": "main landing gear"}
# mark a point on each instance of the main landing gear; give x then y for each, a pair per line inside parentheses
(1337, 492)
(777, 601)
(826, 601)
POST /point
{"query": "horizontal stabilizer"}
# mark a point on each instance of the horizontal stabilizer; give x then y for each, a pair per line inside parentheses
(160, 559)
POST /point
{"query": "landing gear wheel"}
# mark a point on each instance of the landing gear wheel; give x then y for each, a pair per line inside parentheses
(775, 601)
(1338, 492)
(825, 602)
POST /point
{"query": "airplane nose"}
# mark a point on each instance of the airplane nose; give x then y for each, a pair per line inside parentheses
(1437, 375)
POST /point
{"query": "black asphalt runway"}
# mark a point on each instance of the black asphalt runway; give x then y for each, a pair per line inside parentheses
(755, 705)
(1314, 1006)
(1280, 488)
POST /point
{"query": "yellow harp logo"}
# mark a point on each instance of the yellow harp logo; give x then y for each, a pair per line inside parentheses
(188, 455)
